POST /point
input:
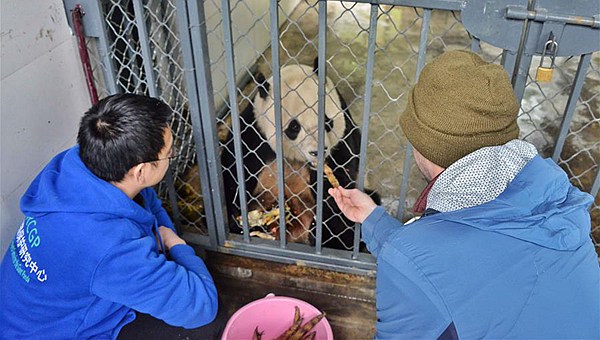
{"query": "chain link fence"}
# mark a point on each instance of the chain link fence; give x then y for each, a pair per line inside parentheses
(146, 56)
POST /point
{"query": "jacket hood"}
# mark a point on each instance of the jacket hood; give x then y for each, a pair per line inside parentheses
(66, 185)
(539, 206)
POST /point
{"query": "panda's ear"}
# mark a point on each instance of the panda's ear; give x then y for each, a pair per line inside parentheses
(316, 67)
(263, 85)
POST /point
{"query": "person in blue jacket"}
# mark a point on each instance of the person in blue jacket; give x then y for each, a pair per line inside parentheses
(91, 249)
(502, 248)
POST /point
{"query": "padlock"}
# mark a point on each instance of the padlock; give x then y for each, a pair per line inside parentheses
(544, 74)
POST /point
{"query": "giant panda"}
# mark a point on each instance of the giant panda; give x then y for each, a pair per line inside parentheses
(299, 110)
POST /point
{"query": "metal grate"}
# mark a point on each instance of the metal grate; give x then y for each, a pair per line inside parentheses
(373, 55)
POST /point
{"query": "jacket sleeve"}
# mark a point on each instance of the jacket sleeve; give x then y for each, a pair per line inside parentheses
(377, 228)
(180, 292)
(155, 205)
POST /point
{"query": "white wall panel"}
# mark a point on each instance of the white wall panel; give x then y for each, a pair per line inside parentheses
(42, 97)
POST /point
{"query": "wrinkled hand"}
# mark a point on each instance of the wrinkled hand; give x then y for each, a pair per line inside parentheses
(169, 237)
(354, 204)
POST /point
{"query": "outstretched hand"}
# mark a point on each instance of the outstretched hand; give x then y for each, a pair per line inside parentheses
(354, 204)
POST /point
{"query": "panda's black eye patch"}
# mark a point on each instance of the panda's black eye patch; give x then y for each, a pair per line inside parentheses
(293, 129)
(328, 124)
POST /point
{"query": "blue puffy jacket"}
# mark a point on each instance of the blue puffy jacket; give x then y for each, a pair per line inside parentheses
(520, 266)
(86, 256)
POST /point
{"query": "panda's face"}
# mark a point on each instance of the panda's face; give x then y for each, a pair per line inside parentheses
(299, 113)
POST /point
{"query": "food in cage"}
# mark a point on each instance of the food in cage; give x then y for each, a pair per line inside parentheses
(260, 222)
(330, 176)
(260, 218)
(263, 235)
(297, 331)
(255, 218)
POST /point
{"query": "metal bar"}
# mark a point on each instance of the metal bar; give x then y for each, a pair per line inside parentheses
(131, 74)
(322, 75)
(106, 60)
(223, 109)
(165, 65)
(596, 184)
(300, 254)
(235, 116)
(450, 5)
(194, 107)
(404, 186)
(520, 50)
(203, 121)
(522, 72)
(423, 42)
(508, 61)
(153, 92)
(145, 47)
(274, 15)
(475, 44)
(408, 154)
(584, 62)
(175, 214)
(297, 258)
(542, 15)
(364, 140)
(198, 239)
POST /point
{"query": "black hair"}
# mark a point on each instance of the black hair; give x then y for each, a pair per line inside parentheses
(121, 131)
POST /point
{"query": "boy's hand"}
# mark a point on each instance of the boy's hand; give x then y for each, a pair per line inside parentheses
(169, 237)
(354, 204)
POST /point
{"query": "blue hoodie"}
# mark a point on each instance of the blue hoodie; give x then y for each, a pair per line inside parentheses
(519, 266)
(86, 256)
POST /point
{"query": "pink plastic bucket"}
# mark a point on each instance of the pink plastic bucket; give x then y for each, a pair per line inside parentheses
(273, 315)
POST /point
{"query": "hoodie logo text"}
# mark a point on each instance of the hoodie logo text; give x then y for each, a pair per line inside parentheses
(27, 238)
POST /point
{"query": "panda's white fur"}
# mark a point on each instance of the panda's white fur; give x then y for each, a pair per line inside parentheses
(299, 83)
(299, 113)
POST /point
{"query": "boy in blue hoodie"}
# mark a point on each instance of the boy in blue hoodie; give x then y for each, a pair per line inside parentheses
(502, 249)
(91, 249)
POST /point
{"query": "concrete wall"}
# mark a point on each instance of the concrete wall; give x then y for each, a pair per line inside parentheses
(42, 96)
(253, 21)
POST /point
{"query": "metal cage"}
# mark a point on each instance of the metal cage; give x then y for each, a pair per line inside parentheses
(203, 57)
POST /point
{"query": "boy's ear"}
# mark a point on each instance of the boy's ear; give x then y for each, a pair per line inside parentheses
(139, 172)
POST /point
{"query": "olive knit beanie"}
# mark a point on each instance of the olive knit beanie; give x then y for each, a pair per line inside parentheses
(461, 103)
